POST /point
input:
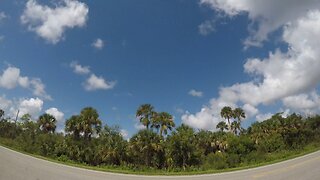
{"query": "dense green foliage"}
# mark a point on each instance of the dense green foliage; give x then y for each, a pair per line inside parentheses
(160, 146)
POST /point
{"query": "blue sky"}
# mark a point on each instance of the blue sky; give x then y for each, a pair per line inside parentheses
(186, 57)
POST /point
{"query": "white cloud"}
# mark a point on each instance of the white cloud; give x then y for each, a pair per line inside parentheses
(283, 75)
(5, 104)
(265, 16)
(306, 103)
(98, 43)
(124, 133)
(39, 88)
(79, 69)
(201, 120)
(209, 116)
(51, 23)
(250, 110)
(138, 126)
(56, 113)
(207, 27)
(11, 78)
(195, 93)
(98, 83)
(92, 82)
(32, 106)
(263, 117)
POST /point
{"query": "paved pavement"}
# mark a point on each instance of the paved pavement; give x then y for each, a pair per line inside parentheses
(17, 166)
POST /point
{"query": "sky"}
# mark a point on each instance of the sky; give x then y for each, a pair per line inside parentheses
(186, 57)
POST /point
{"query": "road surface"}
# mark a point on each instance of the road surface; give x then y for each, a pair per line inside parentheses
(18, 166)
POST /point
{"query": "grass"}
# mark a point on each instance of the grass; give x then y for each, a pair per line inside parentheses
(272, 158)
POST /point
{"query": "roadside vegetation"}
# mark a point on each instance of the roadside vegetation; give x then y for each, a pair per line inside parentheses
(162, 148)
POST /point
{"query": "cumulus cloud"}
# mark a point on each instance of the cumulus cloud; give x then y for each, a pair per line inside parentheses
(250, 110)
(209, 116)
(306, 103)
(98, 83)
(204, 119)
(11, 78)
(32, 106)
(288, 76)
(98, 43)
(50, 23)
(56, 113)
(195, 93)
(265, 16)
(79, 69)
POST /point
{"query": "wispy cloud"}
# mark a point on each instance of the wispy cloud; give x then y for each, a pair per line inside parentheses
(195, 93)
(92, 82)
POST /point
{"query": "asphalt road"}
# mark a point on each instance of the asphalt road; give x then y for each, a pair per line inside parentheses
(17, 166)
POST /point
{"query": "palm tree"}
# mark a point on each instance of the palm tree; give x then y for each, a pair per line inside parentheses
(235, 126)
(238, 114)
(74, 126)
(222, 126)
(155, 121)
(227, 113)
(165, 122)
(144, 114)
(91, 123)
(47, 123)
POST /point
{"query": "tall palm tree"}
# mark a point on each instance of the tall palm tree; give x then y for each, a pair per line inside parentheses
(144, 114)
(47, 123)
(235, 126)
(239, 114)
(165, 122)
(222, 126)
(227, 113)
(90, 122)
(155, 121)
(74, 126)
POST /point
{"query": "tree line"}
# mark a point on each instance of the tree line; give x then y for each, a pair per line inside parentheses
(161, 145)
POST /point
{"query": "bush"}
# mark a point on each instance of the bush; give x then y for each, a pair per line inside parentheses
(216, 161)
(233, 160)
(255, 157)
